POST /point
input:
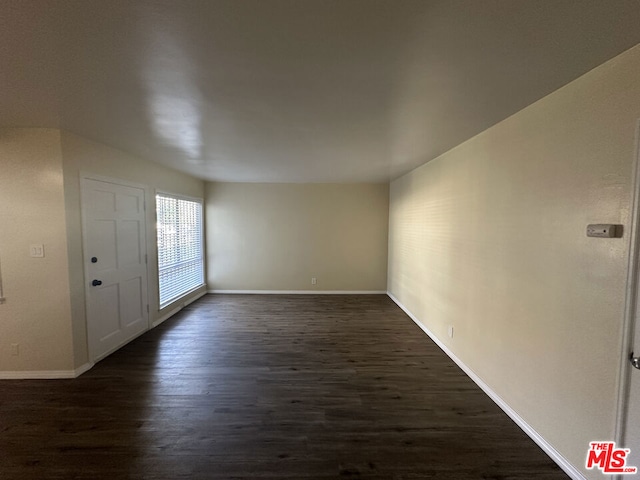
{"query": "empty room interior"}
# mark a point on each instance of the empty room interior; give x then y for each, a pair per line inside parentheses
(385, 239)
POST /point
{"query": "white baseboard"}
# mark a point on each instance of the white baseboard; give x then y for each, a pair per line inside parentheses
(172, 312)
(194, 298)
(84, 368)
(166, 316)
(301, 292)
(562, 462)
(45, 374)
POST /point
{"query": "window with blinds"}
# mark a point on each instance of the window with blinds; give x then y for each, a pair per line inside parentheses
(180, 251)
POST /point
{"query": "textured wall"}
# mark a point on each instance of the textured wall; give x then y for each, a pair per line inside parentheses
(36, 314)
(83, 157)
(278, 236)
(490, 239)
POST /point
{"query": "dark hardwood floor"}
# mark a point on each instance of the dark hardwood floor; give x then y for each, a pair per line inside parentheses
(277, 387)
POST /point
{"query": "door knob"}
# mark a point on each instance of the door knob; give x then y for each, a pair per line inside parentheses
(635, 361)
(95, 283)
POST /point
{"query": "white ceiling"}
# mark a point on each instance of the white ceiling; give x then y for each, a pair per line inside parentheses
(294, 90)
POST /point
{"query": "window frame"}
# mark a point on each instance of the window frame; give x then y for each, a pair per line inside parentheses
(200, 202)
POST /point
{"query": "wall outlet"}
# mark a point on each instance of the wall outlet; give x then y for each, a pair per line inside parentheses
(450, 331)
(314, 280)
(15, 349)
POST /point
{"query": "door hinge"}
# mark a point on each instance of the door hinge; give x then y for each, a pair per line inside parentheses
(146, 260)
(147, 308)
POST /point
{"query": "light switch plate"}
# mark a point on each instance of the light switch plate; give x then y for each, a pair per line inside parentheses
(36, 251)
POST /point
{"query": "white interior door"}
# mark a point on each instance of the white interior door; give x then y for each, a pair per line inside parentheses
(632, 427)
(115, 265)
(631, 420)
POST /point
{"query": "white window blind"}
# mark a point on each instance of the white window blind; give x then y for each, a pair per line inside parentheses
(180, 252)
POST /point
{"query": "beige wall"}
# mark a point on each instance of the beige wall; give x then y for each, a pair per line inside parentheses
(40, 204)
(37, 309)
(80, 157)
(278, 236)
(490, 238)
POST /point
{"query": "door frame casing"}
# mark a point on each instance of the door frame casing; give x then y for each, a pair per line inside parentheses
(632, 294)
(124, 183)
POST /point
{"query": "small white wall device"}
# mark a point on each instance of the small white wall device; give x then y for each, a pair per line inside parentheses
(604, 230)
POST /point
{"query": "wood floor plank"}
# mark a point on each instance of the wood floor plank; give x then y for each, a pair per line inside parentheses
(267, 387)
